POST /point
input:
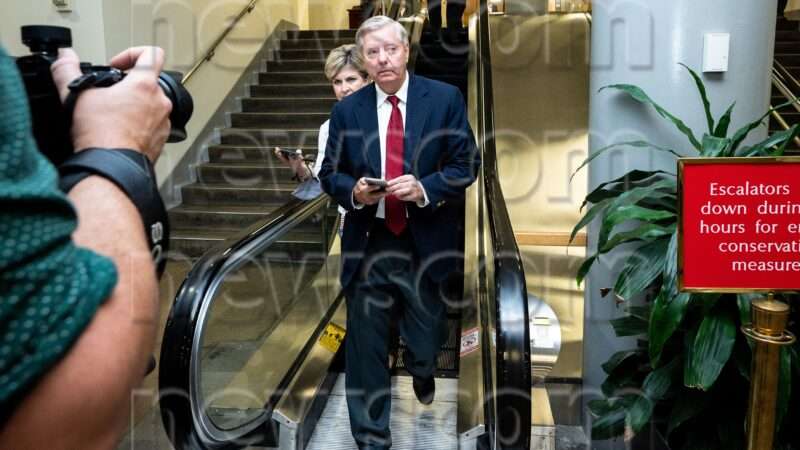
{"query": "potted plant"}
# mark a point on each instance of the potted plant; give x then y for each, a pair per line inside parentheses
(689, 372)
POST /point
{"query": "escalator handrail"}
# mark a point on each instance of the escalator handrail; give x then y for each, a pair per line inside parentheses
(513, 373)
(178, 352)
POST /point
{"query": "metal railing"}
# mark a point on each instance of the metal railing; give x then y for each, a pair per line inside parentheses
(788, 86)
(213, 48)
(512, 377)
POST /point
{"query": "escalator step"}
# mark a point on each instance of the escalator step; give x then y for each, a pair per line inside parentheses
(447, 359)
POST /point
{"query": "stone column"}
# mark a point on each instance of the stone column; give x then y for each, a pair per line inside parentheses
(641, 42)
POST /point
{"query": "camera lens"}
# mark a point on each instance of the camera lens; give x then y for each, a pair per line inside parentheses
(46, 38)
(182, 104)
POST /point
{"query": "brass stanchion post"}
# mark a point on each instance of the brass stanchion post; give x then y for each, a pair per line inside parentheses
(768, 331)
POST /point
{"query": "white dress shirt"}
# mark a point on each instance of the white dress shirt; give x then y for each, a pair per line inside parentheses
(384, 108)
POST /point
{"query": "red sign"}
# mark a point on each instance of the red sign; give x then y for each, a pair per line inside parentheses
(740, 224)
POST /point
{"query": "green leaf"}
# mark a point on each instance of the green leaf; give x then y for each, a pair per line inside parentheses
(639, 95)
(742, 133)
(724, 121)
(763, 147)
(662, 189)
(646, 233)
(790, 138)
(744, 301)
(617, 359)
(711, 350)
(784, 385)
(665, 319)
(584, 269)
(641, 311)
(687, 406)
(714, 146)
(670, 282)
(622, 381)
(706, 105)
(587, 218)
(655, 385)
(628, 326)
(625, 213)
(642, 267)
(626, 375)
(634, 178)
(742, 356)
(636, 144)
(609, 421)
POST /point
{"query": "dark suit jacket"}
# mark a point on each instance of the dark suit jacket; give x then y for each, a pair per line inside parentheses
(439, 151)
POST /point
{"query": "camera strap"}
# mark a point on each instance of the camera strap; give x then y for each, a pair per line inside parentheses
(102, 78)
(132, 172)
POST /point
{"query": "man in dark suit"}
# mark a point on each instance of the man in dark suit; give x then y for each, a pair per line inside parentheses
(399, 243)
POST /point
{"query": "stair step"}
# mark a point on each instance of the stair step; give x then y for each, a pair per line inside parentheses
(300, 65)
(320, 34)
(310, 77)
(230, 218)
(788, 59)
(244, 154)
(291, 90)
(294, 55)
(443, 65)
(784, 24)
(314, 43)
(787, 47)
(787, 35)
(286, 120)
(219, 195)
(221, 218)
(794, 70)
(311, 105)
(270, 138)
(244, 175)
(296, 245)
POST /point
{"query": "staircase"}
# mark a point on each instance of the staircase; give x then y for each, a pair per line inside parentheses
(243, 181)
(787, 52)
(446, 60)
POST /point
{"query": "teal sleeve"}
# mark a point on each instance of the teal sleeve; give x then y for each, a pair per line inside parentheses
(49, 288)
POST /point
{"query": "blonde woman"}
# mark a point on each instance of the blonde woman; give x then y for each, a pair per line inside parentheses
(344, 68)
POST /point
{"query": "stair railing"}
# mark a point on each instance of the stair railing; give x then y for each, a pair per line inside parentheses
(213, 48)
(781, 78)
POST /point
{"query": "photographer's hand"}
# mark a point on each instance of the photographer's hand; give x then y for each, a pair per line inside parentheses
(133, 113)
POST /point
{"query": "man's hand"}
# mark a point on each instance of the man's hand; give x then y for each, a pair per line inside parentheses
(406, 188)
(366, 194)
(133, 113)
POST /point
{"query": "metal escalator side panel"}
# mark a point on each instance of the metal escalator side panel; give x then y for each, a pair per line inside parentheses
(472, 409)
(231, 319)
(508, 304)
(301, 406)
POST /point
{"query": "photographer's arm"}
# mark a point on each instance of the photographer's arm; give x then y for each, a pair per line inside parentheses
(85, 399)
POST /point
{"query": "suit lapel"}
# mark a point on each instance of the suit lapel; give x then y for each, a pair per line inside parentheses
(417, 110)
(367, 118)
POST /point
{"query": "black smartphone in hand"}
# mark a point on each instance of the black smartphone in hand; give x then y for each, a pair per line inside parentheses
(381, 183)
(291, 154)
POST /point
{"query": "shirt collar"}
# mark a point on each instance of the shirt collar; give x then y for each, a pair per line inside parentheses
(401, 93)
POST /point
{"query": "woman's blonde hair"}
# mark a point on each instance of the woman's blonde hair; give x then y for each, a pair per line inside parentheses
(341, 57)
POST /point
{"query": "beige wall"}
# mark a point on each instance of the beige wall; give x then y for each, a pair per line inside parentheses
(186, 29)
(86, 22)
(329, 14)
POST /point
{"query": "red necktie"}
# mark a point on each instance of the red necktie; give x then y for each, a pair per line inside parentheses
(395, 211)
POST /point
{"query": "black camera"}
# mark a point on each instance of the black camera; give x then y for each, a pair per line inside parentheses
(51, 120)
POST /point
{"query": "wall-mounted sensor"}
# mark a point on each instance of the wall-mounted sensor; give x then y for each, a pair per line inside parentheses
(63, 5)
(716, 47)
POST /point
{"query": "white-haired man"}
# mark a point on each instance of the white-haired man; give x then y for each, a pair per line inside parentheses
(398, 244)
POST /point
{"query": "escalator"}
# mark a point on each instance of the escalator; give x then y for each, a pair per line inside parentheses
(252, 355)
